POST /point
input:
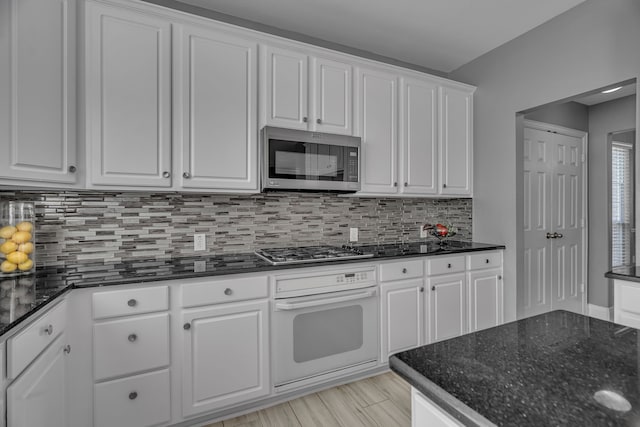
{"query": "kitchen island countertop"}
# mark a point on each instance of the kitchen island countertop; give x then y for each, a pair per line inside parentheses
(543, 370)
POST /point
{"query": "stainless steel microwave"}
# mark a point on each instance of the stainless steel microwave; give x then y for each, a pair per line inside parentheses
(312, 161)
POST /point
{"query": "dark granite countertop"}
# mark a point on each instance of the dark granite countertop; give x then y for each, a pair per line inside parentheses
(539, 371)
(626, 272)
(24, 295)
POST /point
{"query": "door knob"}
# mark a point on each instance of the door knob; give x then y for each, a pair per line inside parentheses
(550, 236)
(557, 235)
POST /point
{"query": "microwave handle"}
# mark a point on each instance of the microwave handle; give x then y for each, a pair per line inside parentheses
(283, 305)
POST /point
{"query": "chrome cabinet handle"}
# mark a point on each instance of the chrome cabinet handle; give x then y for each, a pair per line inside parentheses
(395, 184)
(444, 185)
(133, 395)
(186, 175)
(67, 349)
(132, 302)
(448, 265)
(48, 329)
(304, 119)
(406, 184)
(487, 261)
(186, 326)
(228, 291)
(422, 289)
(166, 174)
(404, 271)
(433, 288)
(499, 277)
(72, 169)
(132, 337)
(318, 121)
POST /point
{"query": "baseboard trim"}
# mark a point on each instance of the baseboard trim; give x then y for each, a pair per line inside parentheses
(600, 312)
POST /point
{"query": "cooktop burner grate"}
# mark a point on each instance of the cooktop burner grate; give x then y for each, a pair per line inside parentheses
(283, 256)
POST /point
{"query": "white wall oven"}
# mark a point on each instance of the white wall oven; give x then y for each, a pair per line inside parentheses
(324, 323)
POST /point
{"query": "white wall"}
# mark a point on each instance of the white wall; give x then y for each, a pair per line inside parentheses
(616, 115)
(570, 115)
(587, 47)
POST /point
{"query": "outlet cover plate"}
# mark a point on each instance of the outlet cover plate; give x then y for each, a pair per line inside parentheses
(199, 242)
(423, 233)
(353, 234)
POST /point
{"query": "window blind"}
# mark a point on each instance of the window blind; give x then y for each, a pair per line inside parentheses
(621, 204)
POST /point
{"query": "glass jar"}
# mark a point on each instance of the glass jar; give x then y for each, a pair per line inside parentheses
(17, 238)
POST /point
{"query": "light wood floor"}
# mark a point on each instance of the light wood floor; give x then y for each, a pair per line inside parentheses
(382, 401)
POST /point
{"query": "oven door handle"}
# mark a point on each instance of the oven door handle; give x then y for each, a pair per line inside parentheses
(282, 305)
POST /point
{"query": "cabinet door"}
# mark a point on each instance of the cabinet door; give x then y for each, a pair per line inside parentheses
(486, 305)
(402, 316)
(37, 90)
(38, 397)
(447, 306)
(456, 136)
(377, 110)
(216, 107)
(333, 97)
(225, 356)
(426, 413)
(128, 87)
(419, 137)
(286, 84)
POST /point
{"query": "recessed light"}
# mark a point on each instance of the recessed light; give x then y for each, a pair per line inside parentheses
(612, 90)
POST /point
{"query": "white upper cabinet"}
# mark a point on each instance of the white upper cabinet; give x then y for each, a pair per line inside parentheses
(128, 86)
(216, 109)
(419, 136)
(37, 92)
(378, 127)
(306, 92)
(456, 141)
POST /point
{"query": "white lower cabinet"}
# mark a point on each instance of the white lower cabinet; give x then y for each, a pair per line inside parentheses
(447, 309)
(38, 397)
(486, 304)
(137, 401)
(424, 413)
(402, 316)
(226, 355)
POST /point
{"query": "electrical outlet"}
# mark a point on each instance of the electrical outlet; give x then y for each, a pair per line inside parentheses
(423, 233)
(199, 242)
(353, 234)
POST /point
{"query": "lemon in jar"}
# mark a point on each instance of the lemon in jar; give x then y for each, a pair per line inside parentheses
(27, 248)
(21, 236)
(25, 226)
(27, 265)
(17, 257)
(7, 231)
(8, 247)
(8, 267)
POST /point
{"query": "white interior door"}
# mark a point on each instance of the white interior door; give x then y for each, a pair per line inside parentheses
(554, 221)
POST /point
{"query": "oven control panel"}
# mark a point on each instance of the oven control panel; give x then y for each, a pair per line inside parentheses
(321, 282)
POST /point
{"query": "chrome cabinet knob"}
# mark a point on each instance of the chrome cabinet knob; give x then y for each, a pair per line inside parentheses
(318, 121)
(186, 326)
(166, 174)
(67, 349)
(444, 185)
(558, 235)
(406, 184)
(132, 337)
(487, 261)
(395, 184)
(48, 329)
(133, 395)
(132, 302)
(404, 271)
(433, 288)
(448, 265)
(72, 169)
(422, 289)
(186, 175)
(499, 277)
(304, 119)
(549, 236)
(228, 291)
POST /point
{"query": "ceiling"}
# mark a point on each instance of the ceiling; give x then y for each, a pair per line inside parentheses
(438, 34)
(599, 97)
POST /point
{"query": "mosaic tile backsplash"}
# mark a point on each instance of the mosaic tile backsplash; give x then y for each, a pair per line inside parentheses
(76, 227)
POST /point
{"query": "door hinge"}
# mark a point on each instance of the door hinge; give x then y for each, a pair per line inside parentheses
(584, 157)
(582, 287)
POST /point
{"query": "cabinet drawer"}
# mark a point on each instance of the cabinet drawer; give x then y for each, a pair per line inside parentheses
(141, 401)
(221, 291)
(484, 260)
(444, 265)
(401, 270)
(24, 347)
(127, 346)
(130, 301)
